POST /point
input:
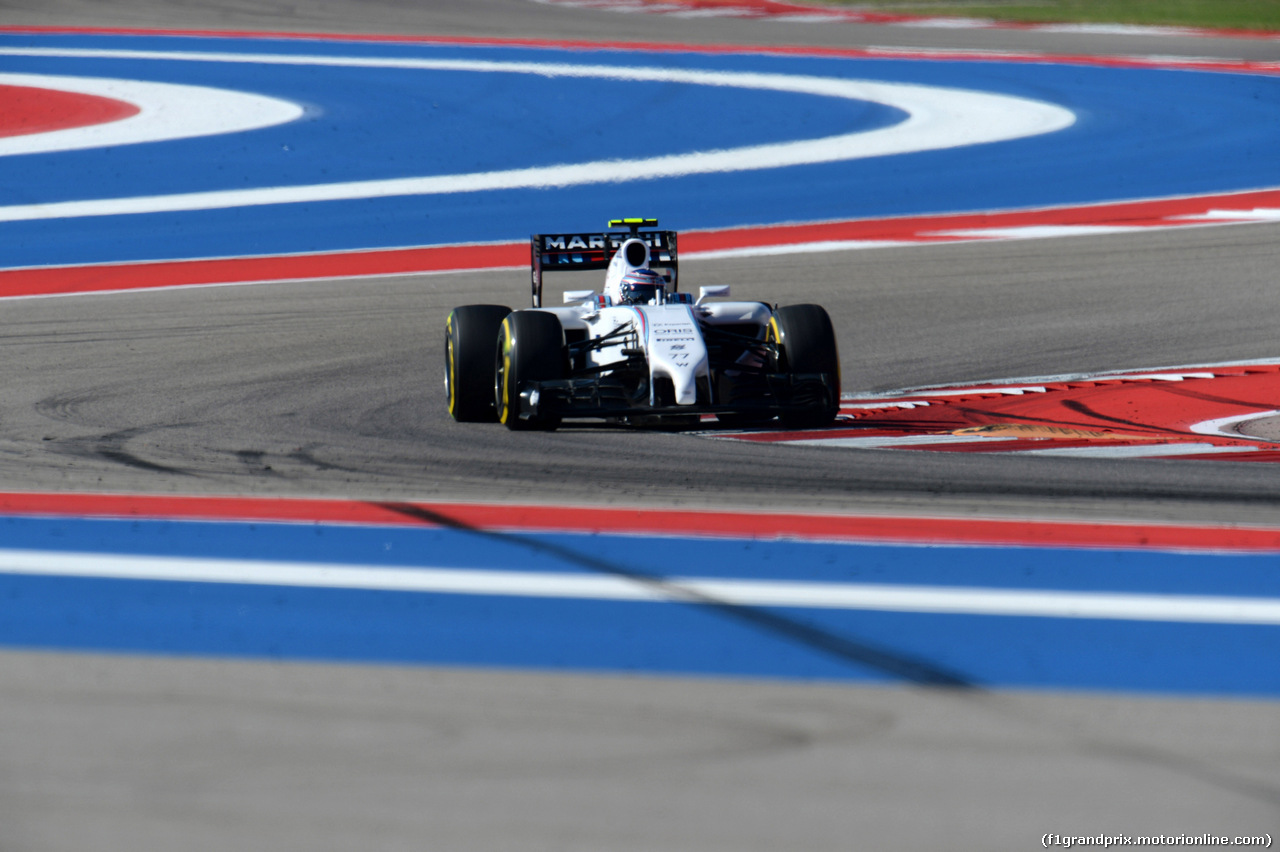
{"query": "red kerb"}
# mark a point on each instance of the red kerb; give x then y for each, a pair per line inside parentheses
(25, 110)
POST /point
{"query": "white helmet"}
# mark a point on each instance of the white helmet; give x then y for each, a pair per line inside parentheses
(630, 256)
(640, 287)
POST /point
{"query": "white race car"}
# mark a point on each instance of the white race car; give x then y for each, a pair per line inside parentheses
(640, 352)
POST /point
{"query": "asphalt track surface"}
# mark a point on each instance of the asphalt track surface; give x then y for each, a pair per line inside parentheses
(333, 388)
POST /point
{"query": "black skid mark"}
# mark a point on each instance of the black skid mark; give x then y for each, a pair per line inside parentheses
(111, 447)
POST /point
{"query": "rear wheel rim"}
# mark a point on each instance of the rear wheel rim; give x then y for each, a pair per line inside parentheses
(502, 374)
(450, 380)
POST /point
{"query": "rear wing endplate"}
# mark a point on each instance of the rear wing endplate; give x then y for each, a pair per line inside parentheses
(576, 252)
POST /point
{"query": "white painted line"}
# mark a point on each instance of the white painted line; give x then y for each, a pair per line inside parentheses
(860, 402)
(1219, 425)
(709, 13)
(889, 442)
(1035, 232)
(1140, 451)
(798, 248)
(1117, 29)
(1036, 383)
(848, 596)
(937, 118)
(815, 18)
(1160, 377)
(890, 398)
(948, 23)
(1258, 214)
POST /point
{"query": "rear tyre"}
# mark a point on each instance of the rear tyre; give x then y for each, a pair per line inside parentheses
(807, 344)
(531, 348)
(469, 335)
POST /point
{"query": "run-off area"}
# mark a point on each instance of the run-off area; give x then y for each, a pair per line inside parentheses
(957, 615)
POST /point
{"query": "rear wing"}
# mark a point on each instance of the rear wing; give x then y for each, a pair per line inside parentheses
(572, 252)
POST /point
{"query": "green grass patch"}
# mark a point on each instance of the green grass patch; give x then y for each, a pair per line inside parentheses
(1217, 14)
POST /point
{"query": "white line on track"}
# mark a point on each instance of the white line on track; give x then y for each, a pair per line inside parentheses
(799, 248)
(890, 442)
(1036, 232)
(1140, 451)
(1257, 214)
(847, 596)
(1036, 384)
(937, 118)
(1219, 426)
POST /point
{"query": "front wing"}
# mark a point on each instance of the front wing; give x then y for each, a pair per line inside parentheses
(603, 396)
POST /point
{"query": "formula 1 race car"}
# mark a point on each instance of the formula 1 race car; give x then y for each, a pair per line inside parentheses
(641, 352)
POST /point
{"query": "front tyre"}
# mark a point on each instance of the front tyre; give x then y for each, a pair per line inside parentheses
(531, 348)
(469, 335)
(807, 344)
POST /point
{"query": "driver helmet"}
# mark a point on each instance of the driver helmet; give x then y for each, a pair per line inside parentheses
(640, 287)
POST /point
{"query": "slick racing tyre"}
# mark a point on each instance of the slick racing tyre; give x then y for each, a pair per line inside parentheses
(469, 335)
(530, 349)
(807, 344)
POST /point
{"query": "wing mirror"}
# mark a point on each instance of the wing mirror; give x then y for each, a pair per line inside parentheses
(574, 296)
(718, 290)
